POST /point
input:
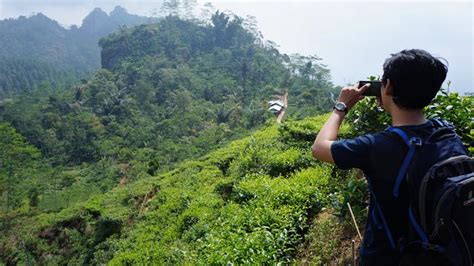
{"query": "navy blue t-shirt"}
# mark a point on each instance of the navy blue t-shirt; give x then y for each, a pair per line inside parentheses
(380, 156)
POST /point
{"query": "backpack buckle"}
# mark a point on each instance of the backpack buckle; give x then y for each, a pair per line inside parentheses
(432, 247)
(414, 141)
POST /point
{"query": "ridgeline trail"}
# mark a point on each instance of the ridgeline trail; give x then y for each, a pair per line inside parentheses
(284, 98)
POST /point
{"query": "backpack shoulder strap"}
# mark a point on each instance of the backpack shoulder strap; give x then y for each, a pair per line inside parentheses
(413, 143)
(384, 224)
(443, 130)
(439, 123)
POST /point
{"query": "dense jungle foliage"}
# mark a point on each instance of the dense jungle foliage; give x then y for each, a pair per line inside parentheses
(168, 155)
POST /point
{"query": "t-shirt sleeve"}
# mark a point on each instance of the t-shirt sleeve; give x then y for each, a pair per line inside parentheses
(352, 153)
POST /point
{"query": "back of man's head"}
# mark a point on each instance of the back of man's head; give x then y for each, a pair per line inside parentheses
(416, 77)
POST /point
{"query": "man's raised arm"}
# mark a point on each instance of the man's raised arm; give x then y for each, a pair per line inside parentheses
(348, 97)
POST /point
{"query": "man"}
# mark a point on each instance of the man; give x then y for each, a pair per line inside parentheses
(411, 79)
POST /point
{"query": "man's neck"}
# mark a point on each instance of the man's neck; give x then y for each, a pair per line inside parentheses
(401, 117)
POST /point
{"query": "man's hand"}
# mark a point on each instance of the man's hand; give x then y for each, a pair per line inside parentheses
(351, 95)
(321, 148)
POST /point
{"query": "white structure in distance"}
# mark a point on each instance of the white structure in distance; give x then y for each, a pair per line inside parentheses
(276, 106)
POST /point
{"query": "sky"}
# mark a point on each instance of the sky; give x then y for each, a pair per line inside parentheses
(352, 37)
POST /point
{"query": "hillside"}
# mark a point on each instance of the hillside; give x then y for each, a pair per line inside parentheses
(171, 91)
(252, 201)
(261, 199)
(37, 49)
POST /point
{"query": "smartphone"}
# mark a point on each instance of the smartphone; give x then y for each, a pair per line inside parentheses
(374, 89)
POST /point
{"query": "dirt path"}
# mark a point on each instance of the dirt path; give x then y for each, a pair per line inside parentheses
(329, 242)
(285, 105)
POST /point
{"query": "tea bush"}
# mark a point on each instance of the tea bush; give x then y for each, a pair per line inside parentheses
(459, 111)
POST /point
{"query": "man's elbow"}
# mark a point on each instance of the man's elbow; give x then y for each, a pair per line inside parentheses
(315, 150)
(322, 151)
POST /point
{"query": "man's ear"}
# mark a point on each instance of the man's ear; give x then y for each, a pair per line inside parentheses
(388, 88)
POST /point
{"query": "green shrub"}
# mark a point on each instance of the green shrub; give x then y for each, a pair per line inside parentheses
(301, 134)
(457, 110)
(366, 117)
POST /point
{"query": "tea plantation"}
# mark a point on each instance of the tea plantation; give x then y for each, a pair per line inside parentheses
(259, 200)
(251, 202)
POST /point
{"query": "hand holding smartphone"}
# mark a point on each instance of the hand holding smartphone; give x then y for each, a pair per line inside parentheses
(374, 89)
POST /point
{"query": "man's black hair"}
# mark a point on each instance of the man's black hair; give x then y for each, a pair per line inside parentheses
(416, 77)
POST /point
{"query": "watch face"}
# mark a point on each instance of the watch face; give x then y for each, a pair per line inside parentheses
(340, 106)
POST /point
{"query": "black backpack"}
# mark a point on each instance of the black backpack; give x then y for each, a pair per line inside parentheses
(441, 200)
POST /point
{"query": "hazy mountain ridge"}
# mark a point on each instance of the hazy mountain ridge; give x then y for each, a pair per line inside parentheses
(44, 41)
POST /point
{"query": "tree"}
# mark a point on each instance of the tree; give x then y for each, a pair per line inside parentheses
(206, 13)
(16, 156)
(171, 8)
(189, 6)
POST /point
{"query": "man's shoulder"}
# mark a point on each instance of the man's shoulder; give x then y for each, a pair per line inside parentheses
(369, 139)
(422, 130)
(379, 137)
(360, 152)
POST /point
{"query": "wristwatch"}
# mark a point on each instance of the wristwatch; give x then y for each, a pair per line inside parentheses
(340, 106)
